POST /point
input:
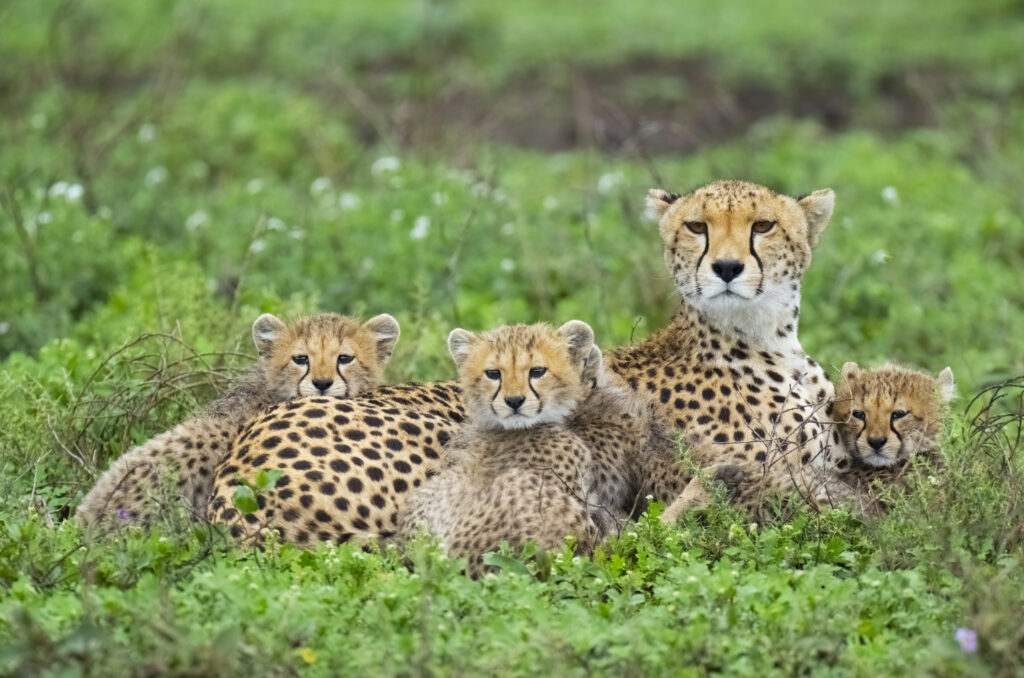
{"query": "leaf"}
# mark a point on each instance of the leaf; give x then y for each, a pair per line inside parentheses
(505, 563)
(267, 479)
(245, 500)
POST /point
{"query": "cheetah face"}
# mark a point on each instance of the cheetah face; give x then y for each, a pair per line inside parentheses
(887, 415)
(325, 355)
(732, 244)
(520, 376)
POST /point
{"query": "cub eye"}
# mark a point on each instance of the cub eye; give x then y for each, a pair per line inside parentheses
(763, 226)
(493, 375)
(698, 227)
(859, 414)
(899, 414)
(536, 372)
(344, 359)
(300, 359)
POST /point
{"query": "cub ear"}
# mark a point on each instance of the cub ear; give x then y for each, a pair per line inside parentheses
(947, 389)
(460, 343)
(817, 208)
(849, 371)
(384, 330)
(265, 331)
(580, 338)
(658, 202)
(593, 371)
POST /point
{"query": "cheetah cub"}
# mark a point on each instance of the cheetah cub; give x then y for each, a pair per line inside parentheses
(884, 417)
(518, 471)
(326, 354)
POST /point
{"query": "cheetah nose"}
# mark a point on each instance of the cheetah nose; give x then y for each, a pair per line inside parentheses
(515, 403)
(322, 384)
(727, 269)
(877, 443)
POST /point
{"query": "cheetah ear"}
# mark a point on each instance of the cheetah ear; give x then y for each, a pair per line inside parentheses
(658, 202)
(593, 371)
(265, 331)
(460, 343)
(580, 338)
(947, 389)
(849, 371)
(384, 330)
(817, 208)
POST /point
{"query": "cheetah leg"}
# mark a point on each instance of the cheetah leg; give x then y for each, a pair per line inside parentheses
(695, 496)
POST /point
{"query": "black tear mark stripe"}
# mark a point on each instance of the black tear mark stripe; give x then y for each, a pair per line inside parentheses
(337, 368)
(892, 426)
(760, 266)
(696, 270)
(495, 395)
(305, 374)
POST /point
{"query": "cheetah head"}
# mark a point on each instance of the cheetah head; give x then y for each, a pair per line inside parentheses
(887, 414)
(325, 354)
(732, 245)
(519, 376)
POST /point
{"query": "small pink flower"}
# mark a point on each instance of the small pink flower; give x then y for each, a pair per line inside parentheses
(122, 515)
(968, 640)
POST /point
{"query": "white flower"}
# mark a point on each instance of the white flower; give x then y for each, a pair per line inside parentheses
(890, 195)
(58, 189)
(348, 201)
(5, 327)
(508, 265)
(44, 218)
(74, 193)
(550, 203)
(297, 234)
(383, 165)
(254, 186)
(608, 182)
(196, 220)
(480, 189)
(146, 132)
(439, 198)
(420, 228)
(880, 257)
(319, 186)
(275, 224)
(155, 176)
(257, 246)
(691, 579)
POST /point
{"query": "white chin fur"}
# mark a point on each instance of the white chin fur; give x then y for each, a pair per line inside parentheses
(873, 458)
(549, 415)
(337, 390)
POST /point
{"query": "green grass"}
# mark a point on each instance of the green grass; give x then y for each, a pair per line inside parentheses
(171, 170)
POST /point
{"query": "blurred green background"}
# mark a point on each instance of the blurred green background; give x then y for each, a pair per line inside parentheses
(171, 169)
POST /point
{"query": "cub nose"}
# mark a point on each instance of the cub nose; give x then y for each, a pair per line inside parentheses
(876, 443)
(516, 402)
(322, 384)
(727, 269)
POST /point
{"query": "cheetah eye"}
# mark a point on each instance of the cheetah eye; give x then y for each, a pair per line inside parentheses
(899, 414)
(698, 227)
(300, 359)
(763, 226)
(344, 359)
(859, 414)
(493, 375)
(537, 372)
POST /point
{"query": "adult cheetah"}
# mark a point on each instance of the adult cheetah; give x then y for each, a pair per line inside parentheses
(729, 372)
(327, 354)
